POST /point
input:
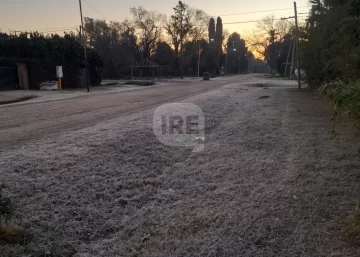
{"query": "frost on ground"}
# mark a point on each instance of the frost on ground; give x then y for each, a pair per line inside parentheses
(273, 180)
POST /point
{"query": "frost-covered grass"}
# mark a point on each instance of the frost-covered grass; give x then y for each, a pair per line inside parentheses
(270, 182)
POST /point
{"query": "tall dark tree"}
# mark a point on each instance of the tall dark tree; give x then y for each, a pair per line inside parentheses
(331, 48)
(212, 31)
(236, 51)
(219, 32)
(178, 27)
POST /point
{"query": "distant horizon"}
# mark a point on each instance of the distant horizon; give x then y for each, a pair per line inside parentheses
(20, 15)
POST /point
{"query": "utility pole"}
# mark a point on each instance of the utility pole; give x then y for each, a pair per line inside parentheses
(199, 61)
(181, 60)
(298, 46)
(287, 60)
(226, 62)
(80, 33)
(85, 54)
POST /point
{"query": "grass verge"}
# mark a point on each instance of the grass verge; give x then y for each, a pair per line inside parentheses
(344, 97)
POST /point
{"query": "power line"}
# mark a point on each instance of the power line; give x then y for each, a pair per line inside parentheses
(259, 11)
(63, 30)
(58, 29)
(242, 22)
(29, 31)
(94, 9)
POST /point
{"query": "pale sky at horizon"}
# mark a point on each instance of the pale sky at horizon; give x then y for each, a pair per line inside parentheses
(48, 15)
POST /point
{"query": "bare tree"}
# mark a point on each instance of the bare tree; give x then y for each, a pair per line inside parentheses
(148, 27)
(199, 20)
(268, 32)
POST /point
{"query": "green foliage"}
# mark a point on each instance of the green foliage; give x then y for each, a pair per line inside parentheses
(346, 97)
(6, 208)
(332, 50)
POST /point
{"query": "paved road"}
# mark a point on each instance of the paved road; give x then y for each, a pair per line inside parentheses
(25, 122)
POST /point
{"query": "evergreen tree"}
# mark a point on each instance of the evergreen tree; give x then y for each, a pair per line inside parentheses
(212, 32)
(219, 33)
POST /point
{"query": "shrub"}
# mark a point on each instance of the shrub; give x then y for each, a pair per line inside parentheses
(345, 97)
(43, 53)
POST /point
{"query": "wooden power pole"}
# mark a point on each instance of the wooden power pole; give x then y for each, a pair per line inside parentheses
(85, 54)
(297, 42)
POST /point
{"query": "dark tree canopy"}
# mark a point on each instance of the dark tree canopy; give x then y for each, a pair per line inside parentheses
(219, 32)
(212, 31)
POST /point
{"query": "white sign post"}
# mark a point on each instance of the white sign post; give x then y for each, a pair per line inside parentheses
(59, 75)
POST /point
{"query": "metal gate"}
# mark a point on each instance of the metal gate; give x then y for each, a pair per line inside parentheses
(9, 78)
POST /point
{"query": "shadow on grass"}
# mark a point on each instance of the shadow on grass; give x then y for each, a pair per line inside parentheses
(17, 100)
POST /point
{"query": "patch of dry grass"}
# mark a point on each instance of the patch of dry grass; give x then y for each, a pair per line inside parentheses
(12, 235)
(352, 229)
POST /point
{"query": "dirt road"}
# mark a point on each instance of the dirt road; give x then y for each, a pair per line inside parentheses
(274, 179)
(21, 123)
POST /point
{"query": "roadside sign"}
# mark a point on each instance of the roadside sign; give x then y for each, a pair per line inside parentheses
(59, 72)
(59, 75)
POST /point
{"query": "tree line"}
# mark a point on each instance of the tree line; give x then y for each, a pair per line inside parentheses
(181, 43)
(331, 42)
(331, 52)
(187, 42)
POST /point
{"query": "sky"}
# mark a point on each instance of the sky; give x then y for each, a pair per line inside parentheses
(53, 15)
